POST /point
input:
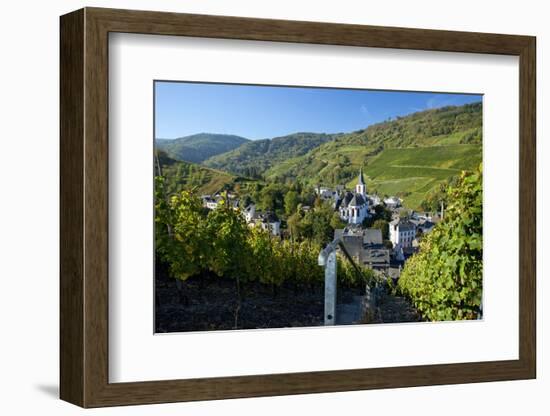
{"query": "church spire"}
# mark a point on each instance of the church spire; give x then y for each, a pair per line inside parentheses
(361, 187)
(361, 181)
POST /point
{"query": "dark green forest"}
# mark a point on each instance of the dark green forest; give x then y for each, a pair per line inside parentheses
(255, 157)
(199, 147)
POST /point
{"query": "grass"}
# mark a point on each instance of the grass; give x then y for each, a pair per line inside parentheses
(448, 139)
(412, 173)
(436, 158)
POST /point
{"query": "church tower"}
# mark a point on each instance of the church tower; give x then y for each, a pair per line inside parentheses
(361, 188)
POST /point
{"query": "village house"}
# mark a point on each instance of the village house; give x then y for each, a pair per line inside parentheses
(327, 194)
(425, 226)
(423, 222)
(365, 246)
(392, 202)
(375, 200)
(250, 213)
(270, 222)
(402, 232)
(214, 201)
(210, 202)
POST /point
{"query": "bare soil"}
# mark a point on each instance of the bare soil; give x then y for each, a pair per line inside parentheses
(208, 303)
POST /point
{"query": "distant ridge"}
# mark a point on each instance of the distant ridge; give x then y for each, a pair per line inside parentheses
(199, 147)
(254, 157)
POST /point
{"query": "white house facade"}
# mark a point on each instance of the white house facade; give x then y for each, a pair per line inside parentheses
(270, 222)
(250, 213)
(402, 233)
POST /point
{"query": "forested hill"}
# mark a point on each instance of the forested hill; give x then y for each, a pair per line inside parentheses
(253, 158)
(199, 147)
(182, 175)
(408, 156)
(445, 125)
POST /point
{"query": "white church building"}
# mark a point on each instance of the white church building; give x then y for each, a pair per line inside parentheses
(354, 206)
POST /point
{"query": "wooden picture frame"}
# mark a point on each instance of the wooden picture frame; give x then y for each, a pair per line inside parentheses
(84, 207)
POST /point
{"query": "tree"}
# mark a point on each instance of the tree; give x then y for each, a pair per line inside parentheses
(444, 279)
(227, 231)
(271, 197)
(266, 201)
(318, 202)
(322, 231)
(262, 265)
(432, 203)
(336, 222)
(230, 255)
(381, 212)
(180, 233)
(291, 202)
(293, 223)
(383, 226)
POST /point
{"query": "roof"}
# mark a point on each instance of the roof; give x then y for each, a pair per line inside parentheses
(354, 245)
(406, 225)
(357, 200)
(352, 199)
(356, 249)
(427, 225)
(376, 256)
(269, 217)
(364, 244)
(348, 196)
(372, 236)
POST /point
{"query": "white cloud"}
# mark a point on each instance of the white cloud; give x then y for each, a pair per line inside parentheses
(365, 110)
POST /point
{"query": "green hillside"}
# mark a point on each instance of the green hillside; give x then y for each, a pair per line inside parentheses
(441, 126)
(253, 158)
(182, 175)
(407, 157)
(199, 147)
(411, 173)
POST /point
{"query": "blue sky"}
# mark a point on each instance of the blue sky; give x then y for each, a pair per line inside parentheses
(259, 112)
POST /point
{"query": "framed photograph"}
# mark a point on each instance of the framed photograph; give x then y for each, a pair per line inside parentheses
(255, 207)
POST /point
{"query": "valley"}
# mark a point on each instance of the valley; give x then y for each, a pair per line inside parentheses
(244, 225)
(408, 157)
